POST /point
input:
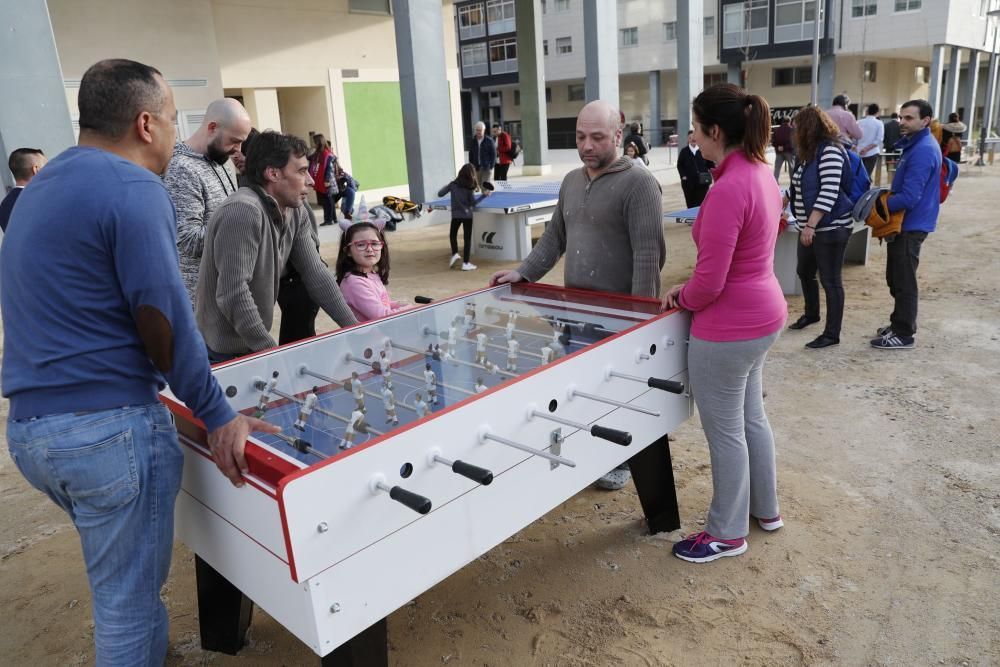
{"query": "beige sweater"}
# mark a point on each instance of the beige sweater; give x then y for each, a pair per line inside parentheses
(610, 229)
(247, 244)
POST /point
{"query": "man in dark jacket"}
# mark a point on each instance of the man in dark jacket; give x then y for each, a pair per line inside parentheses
(482, 154)
(784, 149)
(916, 191)
(892, 133)
(24, 163)
(695, 177)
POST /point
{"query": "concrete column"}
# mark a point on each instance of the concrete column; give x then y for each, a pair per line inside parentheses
(690, 60)
(653, 131)
(972, 81)
(989, 102)
(937, 73)
(262, 105)
(531, 79)
(733, 73)
(950, 101)
(600, 48)
(475, 106)
(827, 74)
(425, 98)
(33, 109)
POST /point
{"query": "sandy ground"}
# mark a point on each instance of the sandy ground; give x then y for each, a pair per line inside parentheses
(888, 477)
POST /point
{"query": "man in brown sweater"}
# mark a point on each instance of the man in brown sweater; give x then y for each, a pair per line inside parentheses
(249, 239)
(608, 222)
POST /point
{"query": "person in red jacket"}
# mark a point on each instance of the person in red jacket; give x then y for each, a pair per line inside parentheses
(504, 146)
(321, 169)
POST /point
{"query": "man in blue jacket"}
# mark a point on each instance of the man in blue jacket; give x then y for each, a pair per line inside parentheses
(916, 191)
(90, 337)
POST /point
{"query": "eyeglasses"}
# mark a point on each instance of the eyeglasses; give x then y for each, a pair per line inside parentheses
(364, 245)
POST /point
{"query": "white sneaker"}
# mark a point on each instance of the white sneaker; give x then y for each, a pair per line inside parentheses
(468, 266)
(454, 258)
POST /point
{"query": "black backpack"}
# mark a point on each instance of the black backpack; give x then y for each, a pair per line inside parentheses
(515, 150)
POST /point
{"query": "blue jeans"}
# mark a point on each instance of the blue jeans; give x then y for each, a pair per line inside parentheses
(346, 199)
(116, 473)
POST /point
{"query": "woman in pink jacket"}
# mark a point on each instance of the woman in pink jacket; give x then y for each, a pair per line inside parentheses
(737, 312)
(363, 272)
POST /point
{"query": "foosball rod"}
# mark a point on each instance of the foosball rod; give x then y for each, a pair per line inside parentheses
(517, 331)
(502, 348)
(303, 370)
(322, 411)
(301, 445)
(397, 371)
(622, 438)
(458, 361)
(551, 319)
(486, 435)
(672, 386)
(573, 392)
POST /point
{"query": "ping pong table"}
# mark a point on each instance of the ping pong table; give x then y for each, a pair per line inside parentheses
(502, 222)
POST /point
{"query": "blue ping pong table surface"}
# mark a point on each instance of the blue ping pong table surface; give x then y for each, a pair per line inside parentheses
(684, 215)
(508, 198)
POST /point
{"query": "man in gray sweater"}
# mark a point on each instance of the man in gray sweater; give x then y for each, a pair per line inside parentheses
(608, 222)
(249, 240)
(198, 182)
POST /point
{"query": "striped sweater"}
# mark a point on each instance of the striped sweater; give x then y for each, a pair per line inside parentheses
(197, 186)
(247, 244)
(610, 229)
(831, 166)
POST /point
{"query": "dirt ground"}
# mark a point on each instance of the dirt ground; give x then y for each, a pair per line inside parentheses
(888, 478)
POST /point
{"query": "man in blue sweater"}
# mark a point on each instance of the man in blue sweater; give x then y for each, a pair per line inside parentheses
(916, 190)
(96, 321)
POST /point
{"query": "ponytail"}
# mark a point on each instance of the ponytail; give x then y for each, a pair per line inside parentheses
(744, 119)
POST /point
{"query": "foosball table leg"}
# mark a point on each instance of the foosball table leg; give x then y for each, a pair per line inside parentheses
(653, 475)
(223, 611)
(369, 648)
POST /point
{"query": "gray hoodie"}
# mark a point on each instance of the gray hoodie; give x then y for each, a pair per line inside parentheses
(197, 186)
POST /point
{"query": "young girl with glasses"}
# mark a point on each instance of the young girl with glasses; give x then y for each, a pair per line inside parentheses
(363, 271)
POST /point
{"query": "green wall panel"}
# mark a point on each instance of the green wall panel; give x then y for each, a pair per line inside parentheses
(375, 131)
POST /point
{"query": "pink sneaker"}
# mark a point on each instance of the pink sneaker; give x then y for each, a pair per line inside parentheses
(770, 524)
(703, 548)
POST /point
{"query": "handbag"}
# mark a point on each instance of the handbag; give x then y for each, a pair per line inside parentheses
(704, 178)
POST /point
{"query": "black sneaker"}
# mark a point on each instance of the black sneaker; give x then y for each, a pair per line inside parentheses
(803, 322)
(891, 341)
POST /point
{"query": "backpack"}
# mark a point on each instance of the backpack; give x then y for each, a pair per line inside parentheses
(949, 174)
(515, 150)
(400, 205)
(860, 181)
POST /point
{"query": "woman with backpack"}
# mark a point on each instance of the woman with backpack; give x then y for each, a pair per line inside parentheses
(951, 137)
(821, 205)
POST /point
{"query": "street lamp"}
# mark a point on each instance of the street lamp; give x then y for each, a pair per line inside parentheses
(990, 93)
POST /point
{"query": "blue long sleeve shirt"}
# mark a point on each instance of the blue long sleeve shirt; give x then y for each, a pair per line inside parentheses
(89, 261)
(916, 186)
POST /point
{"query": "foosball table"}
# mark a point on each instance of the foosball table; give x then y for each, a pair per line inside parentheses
(413, 444)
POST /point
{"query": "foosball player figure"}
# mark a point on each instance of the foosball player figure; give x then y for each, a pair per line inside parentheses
(420, 405)
(481, 348)
(358, 391)
(479, 386)
(547, 354)
(512, 348)
(430, 383)
(511, 323)
(305, 409)
(452, 339)
(491, 367)
(448, 356)
(353, 424)
(436, 352)
(265, 395)
(558, 336)
(389, 403)
(470, 315)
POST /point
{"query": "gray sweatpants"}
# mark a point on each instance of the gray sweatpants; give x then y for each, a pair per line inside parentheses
(726, 379)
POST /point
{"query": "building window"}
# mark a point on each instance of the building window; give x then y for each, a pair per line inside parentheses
(670, 31)
(517, 97)
(500, 16)
(503, 56)
(745, 24)
(791, 76)
(575, 92)
(709, 26)
(471, 22)
(794, 20)
(907, 5)
(545, 47)
(548, 96)
(370, 6)
(561, 6)
(564, 45)
(862, 8)
(713, 78)
(922, 74)
(474, 61)
(545, 7)
(871, 71)
(628, 38)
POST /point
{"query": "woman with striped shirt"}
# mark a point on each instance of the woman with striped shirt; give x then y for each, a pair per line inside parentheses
(822, 210)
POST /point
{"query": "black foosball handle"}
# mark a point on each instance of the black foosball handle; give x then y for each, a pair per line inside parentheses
(622, 438)
(475, 473)
(672, 386)
(422, 299)
(302, 445)
(414, 501)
